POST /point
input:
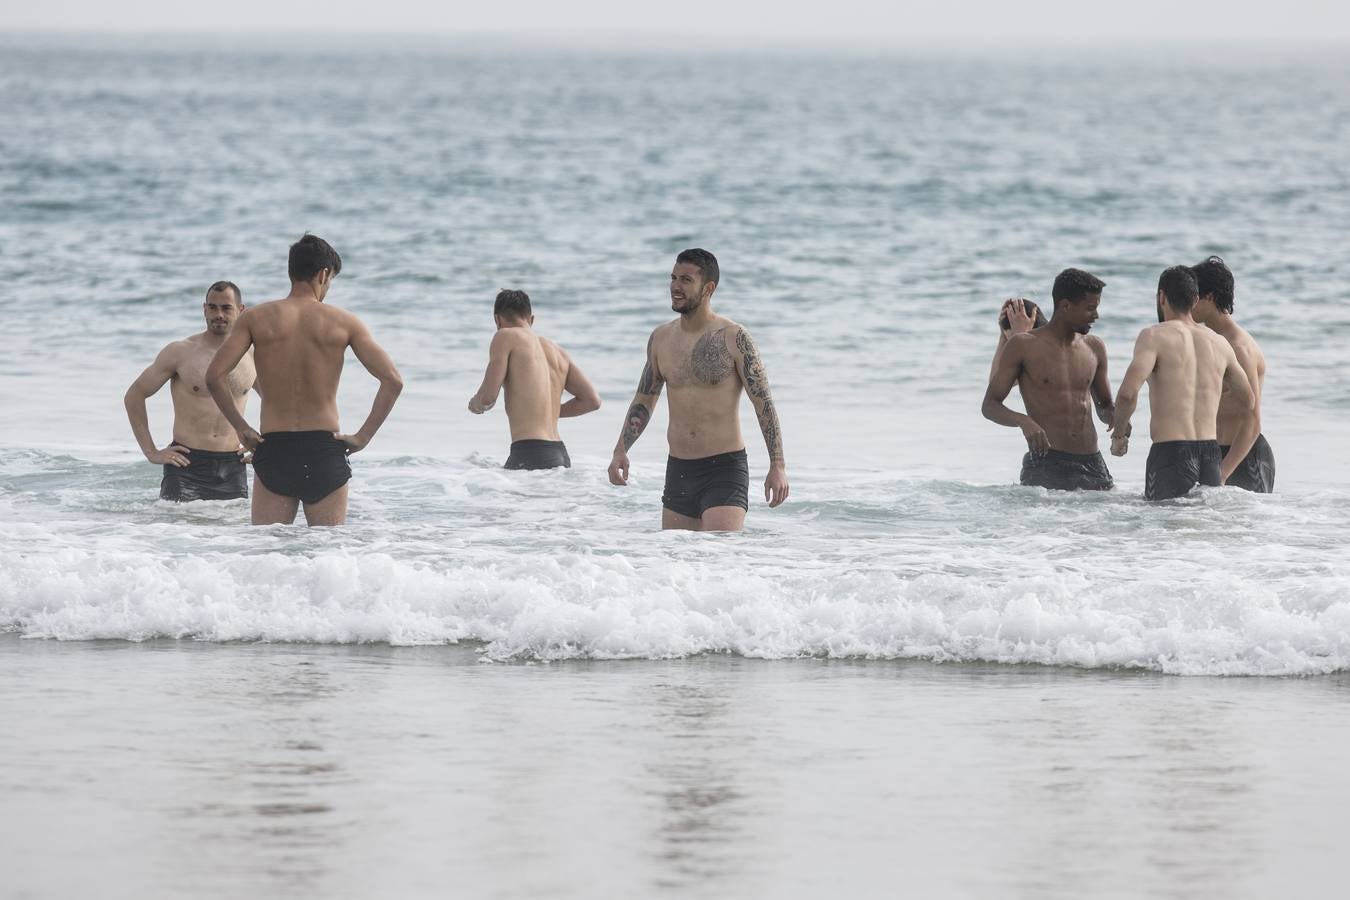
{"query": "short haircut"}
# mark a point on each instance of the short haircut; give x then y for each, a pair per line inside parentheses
(706, 262)
(311, 255)
(1075, 284)
(1037, 317)
(512, 305)
(1178, 286)
(226, 286)
(1214, 277)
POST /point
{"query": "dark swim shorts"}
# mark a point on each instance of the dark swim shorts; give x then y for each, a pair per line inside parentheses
(209, 475)
(696, 485)
(308, 465)
(1256, 472)
(1174, 467)
(536, 454)
(1060, 471)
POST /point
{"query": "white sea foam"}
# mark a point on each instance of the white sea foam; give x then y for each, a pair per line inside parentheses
(608, 607)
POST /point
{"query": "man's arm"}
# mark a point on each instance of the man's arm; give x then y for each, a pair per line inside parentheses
(585, 398)
(756, 381)
(1241, 378)
(1127, 398)
(146, 385)
(1101, 384)
(499, 358)
(377, 363)
(639, 414)
(227, 357)
(1007, 368)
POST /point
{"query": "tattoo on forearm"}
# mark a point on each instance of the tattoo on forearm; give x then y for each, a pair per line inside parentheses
(757, 386)
(638, 417)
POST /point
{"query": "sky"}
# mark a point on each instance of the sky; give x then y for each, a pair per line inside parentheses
(863, 21)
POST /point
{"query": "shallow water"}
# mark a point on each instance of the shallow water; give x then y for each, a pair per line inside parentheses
(914, 677)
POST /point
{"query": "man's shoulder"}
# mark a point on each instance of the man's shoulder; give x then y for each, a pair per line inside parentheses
(181, 348)
(1095, 344)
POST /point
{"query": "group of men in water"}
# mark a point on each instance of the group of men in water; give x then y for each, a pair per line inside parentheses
(291, 351)
(1204, 371)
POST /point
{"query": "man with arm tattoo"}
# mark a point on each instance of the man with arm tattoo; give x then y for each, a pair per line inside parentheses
(707, 360)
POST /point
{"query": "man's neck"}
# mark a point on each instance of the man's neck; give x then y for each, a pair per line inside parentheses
(1185, 318)
(209, 338)
(697, 320)
(303, 291)
(1223, 324)
(1061, 331)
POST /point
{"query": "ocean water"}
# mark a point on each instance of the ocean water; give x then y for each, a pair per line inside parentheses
(870, 212)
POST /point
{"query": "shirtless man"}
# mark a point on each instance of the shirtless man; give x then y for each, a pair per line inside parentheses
(1255, 466)
(1061, 373)
(535, 371)
(706, 359)
(299, 343)
(203, 461)
(1187, 367)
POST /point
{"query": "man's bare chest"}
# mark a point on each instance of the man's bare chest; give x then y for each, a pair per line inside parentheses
(703, 362)
(190, 379)
(1064, 371)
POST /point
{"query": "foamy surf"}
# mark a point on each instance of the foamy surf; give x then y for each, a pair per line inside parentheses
(608, 607)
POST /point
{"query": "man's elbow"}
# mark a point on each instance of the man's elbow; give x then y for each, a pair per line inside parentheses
(987, 409)
(592, 402)
(393, 381)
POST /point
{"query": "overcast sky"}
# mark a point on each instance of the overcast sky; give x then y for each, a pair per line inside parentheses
(869, 20)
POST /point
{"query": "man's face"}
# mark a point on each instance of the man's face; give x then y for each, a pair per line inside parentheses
(220, 309)
(1204, 309)
(688, 290)
(1082, 313)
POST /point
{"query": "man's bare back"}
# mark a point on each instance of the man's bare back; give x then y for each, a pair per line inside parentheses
(299, 347)
(1186, 367)
(534, 371)
(1233, 415)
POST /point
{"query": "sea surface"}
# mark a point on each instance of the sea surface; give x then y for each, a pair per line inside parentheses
(870, 212)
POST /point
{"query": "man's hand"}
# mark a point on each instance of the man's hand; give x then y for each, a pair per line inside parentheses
(1019, 320)
(479, 408)
(249, 439)
(618, 468)
(1120, 444)
(776, 485)
(354, 442)
(172, 455)
(1037, 440)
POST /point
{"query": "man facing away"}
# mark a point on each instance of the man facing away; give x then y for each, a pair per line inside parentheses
(1061, 373)
(299, 343)
(535, 372)
(202, 462)
(706, 359)
(1187, 368)
(1239, 435)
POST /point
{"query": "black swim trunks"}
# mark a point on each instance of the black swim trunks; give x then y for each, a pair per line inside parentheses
(308, 465)
(696, 485)
(537, 454)
(1060, 471)
(1174, 467)
(1256, 472)
(209, 475)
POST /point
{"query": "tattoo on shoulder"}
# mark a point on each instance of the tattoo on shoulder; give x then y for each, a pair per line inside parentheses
(710, 360)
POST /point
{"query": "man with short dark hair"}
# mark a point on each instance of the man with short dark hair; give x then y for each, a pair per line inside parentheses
(534, 371)
(1060, 371)
(706, 359)
(1187, 368)
(202, 462)
(1249, 461)
(299, 343)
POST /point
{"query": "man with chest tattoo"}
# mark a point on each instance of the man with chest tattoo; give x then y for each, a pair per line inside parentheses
(203, 461)
(706, 359)
(1061, 373)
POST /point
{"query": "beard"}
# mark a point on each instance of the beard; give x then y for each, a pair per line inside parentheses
(1161, 317)
(689, 308)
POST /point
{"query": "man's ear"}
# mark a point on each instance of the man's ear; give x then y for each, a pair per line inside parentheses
(531, 318)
